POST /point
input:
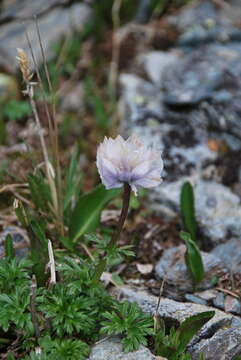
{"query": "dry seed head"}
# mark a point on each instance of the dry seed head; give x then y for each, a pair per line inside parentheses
(24, 65)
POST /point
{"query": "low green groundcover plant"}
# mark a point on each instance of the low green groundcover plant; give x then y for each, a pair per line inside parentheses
(62, 320)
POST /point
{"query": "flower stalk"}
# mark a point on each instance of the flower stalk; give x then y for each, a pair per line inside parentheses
(129, 163)
(125, 206)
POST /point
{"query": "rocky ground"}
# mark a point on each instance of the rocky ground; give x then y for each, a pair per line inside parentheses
(186, 100)
(180, 89)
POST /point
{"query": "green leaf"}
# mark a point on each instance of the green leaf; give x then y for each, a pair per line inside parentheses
(9, 250)
(40, 191)
(72, 184)
(86, 215)
(10, 356)
(100, 114)
(21, 214)
(188, 209)
(193, 258)
(117, 279)
(191, 326)
(39, 231)
(214, 281)
(16, 109)
(39, 250)
(68, 244)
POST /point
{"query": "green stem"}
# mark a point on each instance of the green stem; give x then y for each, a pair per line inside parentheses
(125, 205)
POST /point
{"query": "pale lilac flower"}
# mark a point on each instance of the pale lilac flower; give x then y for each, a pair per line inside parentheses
(128, 161)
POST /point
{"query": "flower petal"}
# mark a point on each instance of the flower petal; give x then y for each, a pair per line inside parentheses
(120, 161)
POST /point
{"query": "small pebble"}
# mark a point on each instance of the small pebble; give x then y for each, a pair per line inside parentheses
(219, 301)
(207, 295)
(195, 299)
(232, 305)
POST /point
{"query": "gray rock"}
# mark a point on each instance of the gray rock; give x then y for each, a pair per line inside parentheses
(223, 345)
(230, 250)
(208, 340)
(195, 299)
(207, 295)
(232, 305)
(192, 93)
(205, 87)
(202, 22)
(111, 349)
(219, 301)
(178, 311)
(20, 240)
(178, 278)
(53, 25)
(73, 100)
(155, 64)
(142, 112)
(218, 210)
(13, 9)
(140, 99)
(198, 13)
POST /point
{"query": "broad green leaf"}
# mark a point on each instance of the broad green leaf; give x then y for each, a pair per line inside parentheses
(193, 258)
(86, 215)
(188, 209)
(9, 250)
(191, 326)
(68, 244)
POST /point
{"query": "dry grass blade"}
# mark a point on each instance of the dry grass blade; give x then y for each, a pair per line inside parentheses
(12, 187)
(55, 130)
(25, 69)
(40, 82)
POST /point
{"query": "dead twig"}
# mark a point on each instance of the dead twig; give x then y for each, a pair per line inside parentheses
(229, 292)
